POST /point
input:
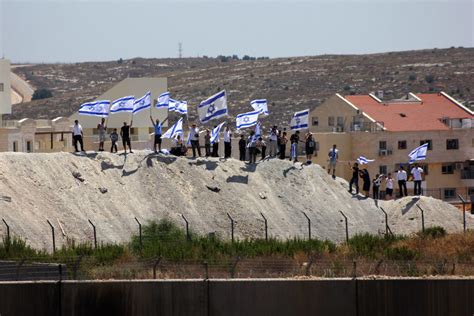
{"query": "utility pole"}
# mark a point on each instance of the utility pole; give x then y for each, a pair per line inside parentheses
(180, 50)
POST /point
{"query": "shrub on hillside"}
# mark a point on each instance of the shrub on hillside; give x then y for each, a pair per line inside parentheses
(433, 232)
(42, 94)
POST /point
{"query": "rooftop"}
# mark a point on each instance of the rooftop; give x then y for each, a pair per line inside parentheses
(419, 112)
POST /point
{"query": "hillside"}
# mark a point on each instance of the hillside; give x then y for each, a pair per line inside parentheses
(289, 84)
(111, 190)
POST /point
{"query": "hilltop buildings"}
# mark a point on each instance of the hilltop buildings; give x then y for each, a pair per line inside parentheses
(367, 125)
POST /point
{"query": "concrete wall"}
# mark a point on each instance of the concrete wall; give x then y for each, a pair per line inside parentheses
(240, 297)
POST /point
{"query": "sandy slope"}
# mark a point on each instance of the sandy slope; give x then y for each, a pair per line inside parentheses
(42, 186)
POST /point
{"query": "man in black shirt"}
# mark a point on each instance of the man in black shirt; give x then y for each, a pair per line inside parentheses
(125, 134)
(242, 147)
(294, 139)
(355, 177)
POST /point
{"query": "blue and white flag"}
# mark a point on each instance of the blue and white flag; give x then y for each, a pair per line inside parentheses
(163, 100)
(215, 132)
(363, 161)
(142, 103)
(96, 108)
(175, 130)
(178, 106)
(246, 119)
(300, 120)
(124, 104)
(213, 108)
(419, 153)
(260, 105)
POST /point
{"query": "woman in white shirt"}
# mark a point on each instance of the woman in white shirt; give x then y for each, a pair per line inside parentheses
(389, 187)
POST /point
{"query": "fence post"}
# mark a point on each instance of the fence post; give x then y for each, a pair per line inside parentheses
(76, 267)
(53, 235)
(266, 226)
(188, 237)
(387, 227)
(206, 267)
(139, 232)
(422, 218)
(60, 270)
(347, 226)
(234, 267)
(231, 227)
(18, 269)
(463, 211)
(95, 234)
(309, 225)
(8, 235)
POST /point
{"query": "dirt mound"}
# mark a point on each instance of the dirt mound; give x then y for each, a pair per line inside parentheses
(111, 190)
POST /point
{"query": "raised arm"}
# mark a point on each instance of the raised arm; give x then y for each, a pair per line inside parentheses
(152, 122)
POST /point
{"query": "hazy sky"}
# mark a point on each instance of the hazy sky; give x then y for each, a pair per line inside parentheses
(69, 31)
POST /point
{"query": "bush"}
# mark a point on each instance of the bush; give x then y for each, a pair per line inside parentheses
(347, 87)
(42, 94)
(433, 232)
(120, 61)
(368, 245)
(401, 253)
(412, 77)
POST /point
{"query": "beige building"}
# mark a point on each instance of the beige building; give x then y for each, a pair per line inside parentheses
(5, 88)
(387, 130)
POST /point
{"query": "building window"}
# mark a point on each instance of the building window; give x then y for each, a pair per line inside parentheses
(470, 192)
(402, 144)
(331, 121)
(382, 145)
(447, 169)
(315, 121)
(28, 146)
(382, 169)
(15, 146)
(425, 169)
(1, 87)
(452, 144)
(340, 121)
(430, 143)
(449, 193)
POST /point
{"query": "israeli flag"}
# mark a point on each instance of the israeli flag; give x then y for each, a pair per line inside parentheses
(124, 104)
(96, 108)
(142, 103)
(178, 106)
(363, 161)
(419, 153)
(247, 119)
(163, 100)
(213, 108)
(175, 130)
(260, 105)
(258, 133)
(215, 132)
(300, 120)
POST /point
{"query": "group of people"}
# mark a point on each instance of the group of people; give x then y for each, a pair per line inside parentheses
(383, 185)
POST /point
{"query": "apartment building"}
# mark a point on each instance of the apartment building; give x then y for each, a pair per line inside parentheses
(387, 130)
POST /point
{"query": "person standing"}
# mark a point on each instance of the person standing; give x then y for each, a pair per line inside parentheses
(227, 142)
(77, 135)
(416, 171)
(389, 187)
(262, 147)
(402, 181)
(310, 146)
(364, 174)
(194, 132)
(215, 146)
(333, 157)
(376, 186)
(114, 138)
(125, 134)
(355, 177)
(207, 143)
(273, 142)
(158, 126)
(102, 128)
(252, 145)
(294, 140)
(242, 148)
(282, 146)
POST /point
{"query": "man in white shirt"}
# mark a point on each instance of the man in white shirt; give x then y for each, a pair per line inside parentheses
(227, 143)
(273, 142)
(402, 181)
(333, 157)
(416, 171)
(194, 133)
(77, 135)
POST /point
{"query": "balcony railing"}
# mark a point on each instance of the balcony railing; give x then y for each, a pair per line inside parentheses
(467, 174)
(366, 126)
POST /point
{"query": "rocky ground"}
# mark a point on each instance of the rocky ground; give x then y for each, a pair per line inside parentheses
(111, 190)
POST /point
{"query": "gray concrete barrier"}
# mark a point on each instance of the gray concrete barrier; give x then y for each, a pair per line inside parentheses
(274, 297)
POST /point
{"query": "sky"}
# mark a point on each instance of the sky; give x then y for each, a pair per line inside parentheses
(86, 30)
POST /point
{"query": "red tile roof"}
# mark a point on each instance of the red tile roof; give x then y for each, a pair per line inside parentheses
(411, 116)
